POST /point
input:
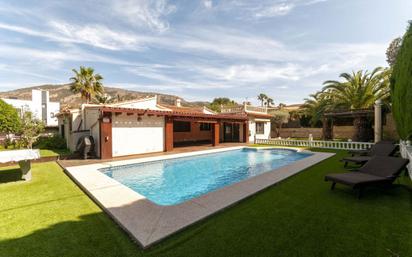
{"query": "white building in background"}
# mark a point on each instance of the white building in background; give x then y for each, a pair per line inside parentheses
(39, 105)
(259, 119)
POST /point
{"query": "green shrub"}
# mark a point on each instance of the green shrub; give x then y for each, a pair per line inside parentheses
(401, 87)
(53, 142)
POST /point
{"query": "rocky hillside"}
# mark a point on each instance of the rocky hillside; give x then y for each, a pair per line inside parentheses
(62, 94)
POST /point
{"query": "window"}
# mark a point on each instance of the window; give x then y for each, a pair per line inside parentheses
(260, 128)
(205, 127)
(181, 126)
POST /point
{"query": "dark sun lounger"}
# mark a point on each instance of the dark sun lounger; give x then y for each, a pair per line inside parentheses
(377, 171)
(379, 149)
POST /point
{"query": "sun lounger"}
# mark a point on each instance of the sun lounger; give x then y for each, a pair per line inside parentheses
(380, 149)
(377, 171)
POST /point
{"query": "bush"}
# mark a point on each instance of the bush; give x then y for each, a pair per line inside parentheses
(401, 87)
(53, 142)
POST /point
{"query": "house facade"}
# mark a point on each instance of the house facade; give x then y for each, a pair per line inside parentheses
(144, 126)
(259, 123)
(40, 106)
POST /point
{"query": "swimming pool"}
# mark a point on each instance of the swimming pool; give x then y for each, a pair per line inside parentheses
(174, 181)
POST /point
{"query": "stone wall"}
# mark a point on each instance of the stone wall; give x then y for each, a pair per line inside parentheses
(339, 132)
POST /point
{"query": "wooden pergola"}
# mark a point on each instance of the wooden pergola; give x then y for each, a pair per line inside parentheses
(329, 117)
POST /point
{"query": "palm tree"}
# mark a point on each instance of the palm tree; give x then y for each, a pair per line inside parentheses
(86, 83)
(103, 99)
(269, 102)
(262, 98)
(314, 107)
(359, 90)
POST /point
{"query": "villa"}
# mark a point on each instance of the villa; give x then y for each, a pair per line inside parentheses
(40, 105)
(145, 126)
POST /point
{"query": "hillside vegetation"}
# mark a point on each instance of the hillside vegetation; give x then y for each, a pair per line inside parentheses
(62, 94)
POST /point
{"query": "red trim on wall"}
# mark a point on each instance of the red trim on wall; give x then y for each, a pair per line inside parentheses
(168, 134)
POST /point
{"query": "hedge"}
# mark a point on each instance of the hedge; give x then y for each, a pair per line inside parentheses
(401, 87)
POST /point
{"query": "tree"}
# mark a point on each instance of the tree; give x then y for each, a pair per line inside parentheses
(9, 118)
(103, 99)
(87, 83)
(392, 51)
(279, 118)
(262, 98)
(401, 87)
(269, 102)
(315, 106)
(359, 90)
(216, 104)
(30, 130)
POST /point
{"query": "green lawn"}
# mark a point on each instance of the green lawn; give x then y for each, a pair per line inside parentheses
(50, 216)
(47, 152)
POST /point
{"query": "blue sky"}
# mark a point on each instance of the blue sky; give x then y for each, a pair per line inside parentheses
(198, 49)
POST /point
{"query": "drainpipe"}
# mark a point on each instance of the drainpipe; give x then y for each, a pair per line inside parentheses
(378, 121)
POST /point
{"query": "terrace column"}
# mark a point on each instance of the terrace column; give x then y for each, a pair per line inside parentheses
(378, 121)
(215, 134)
(168, 134)
(246, 132)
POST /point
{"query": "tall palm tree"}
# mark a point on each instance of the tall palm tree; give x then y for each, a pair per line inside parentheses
(315, 106)
(359, 90)
(87, 83)
(262, 98)
(269, 101)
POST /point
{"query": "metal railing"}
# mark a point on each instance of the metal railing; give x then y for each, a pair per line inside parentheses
(316, 143)
(406, 152)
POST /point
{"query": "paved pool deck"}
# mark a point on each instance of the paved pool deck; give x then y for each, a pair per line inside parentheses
(147, 222)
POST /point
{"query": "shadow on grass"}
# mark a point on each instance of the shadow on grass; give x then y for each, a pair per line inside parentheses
(10, 175)
(92, 235)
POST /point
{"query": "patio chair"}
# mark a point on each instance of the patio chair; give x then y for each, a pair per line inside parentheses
(367, 151)
(379, 170)
(379, 149)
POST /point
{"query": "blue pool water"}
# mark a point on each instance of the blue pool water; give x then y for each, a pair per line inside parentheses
(173, 181)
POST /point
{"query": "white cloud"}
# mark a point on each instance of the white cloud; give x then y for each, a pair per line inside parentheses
(96, 35)
(208, 4)
(145, 13)
(275, 10)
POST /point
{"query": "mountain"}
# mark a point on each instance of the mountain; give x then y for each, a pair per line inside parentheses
(62, 94)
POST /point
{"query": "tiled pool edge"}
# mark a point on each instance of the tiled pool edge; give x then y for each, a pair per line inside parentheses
(149, 223)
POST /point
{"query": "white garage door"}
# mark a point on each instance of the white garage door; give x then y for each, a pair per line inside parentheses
(133, 136)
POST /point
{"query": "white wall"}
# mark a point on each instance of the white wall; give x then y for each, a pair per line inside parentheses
(252, 129)
(52, 109)
(130, 136)
(149, 103)
(35, 107)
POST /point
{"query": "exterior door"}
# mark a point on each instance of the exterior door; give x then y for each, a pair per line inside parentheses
(235, 133)
(106, 136)
(231, 132)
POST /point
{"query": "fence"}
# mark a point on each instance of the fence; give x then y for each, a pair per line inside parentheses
(406, 152)
(316, 143)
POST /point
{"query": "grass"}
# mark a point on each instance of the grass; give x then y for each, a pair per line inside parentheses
(50, 216)
(46, 152)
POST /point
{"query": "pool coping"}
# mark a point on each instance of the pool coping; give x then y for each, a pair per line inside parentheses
(147, 222)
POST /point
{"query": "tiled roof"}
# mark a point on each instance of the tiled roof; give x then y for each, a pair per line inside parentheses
(174, 113)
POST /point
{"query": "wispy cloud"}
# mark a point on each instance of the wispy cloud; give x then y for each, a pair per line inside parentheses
(275, 10)
(145, 13)
(208, 4)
